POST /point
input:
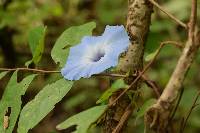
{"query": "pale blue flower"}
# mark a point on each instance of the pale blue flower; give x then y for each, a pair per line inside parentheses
(96, 53)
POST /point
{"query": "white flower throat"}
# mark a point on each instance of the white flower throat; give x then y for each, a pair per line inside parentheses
(95, 54)
(100, 54)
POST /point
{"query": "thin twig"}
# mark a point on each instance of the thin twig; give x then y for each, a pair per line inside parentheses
(28, 69)
(181, 123)
(146, 68)
(152, 85)
(190, 111)
(168, 14)
(110, 75)
(177, 104)
(128, 111)
(49, 71)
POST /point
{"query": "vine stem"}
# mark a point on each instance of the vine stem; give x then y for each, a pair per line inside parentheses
(29, 69)
(111, 75)
(124, 118)
(146, 68)
(51, 71)
(152, 85)
(168, 14)
(190, 111)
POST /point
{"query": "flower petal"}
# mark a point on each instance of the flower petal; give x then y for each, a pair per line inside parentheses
(102, 65)
(118, 48)
(113, 34)
(82, 61)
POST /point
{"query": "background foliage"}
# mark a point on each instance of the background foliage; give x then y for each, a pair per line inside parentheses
(20, 19)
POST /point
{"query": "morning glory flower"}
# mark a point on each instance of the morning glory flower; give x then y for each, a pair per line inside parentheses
(95, 54)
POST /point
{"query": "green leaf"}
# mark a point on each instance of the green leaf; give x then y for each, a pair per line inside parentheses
(118, 84)
(84, 119)
(2, 74)
(42, 104)
(150, 56)
(144, 108)
(12, 98)
(36, 43)
(77, 99)
(70, 37)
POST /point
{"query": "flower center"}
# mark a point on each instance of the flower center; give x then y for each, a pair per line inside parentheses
(98, 56)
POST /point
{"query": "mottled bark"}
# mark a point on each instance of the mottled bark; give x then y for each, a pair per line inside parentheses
(138, 22)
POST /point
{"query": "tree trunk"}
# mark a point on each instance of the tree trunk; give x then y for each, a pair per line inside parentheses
(138, 22)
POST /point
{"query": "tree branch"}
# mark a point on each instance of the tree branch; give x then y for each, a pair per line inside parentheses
(168, 14)
(176, 106)
(138, 22)
(157, 116)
